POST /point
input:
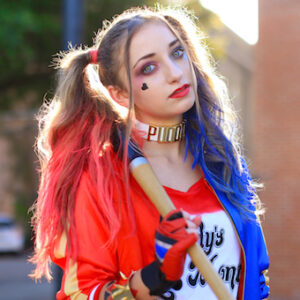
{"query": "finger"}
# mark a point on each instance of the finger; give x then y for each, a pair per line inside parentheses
(197, 220)
(195, 231)
(191, 224)
(186, 215)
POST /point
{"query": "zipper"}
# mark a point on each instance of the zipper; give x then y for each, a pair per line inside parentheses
(233, 224)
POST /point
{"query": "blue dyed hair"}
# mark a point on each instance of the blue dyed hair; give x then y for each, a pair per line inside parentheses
(217, 153)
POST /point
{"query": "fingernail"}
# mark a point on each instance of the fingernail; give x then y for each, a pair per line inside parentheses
(197, 220)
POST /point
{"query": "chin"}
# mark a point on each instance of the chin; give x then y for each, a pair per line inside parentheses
(188, 105)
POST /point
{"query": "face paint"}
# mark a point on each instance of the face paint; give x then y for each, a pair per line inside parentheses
(144, 86)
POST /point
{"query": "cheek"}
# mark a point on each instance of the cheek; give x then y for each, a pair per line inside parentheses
(141, 86)
(185, 65)
(137, 86)
(139, 95)
(154, 88)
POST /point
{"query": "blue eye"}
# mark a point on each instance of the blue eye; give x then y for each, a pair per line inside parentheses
(147, 69)
(178, 52)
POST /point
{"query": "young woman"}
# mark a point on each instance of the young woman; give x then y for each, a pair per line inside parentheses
(154, 85)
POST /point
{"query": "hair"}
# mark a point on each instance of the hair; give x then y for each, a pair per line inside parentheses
(77, 126)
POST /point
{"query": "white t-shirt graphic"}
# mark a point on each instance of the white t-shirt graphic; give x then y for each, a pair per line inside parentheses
(219, 241)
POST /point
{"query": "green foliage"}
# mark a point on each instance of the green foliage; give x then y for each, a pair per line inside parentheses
(27, 28)
(30, 33)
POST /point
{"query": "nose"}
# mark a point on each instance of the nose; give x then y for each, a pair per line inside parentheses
(173, 71)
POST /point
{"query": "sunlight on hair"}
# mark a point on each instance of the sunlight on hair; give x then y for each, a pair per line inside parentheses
(96, 84)
(45, 121)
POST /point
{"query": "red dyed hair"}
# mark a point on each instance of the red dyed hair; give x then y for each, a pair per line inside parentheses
(74, 136)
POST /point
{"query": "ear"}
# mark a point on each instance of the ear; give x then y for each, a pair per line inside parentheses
(119, 95)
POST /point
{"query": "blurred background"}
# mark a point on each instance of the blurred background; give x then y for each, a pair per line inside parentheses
(256, 46)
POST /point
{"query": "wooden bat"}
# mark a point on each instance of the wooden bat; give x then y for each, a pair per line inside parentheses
(144, 175)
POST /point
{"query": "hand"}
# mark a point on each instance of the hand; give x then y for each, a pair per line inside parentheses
(174, 235)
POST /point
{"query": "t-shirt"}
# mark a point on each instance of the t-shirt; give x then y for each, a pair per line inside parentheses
(218, 239)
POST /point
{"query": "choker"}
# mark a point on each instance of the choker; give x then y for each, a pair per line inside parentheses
(161, 134)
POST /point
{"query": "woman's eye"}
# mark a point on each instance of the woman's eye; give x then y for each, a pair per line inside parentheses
(147, 69)
(178, 52)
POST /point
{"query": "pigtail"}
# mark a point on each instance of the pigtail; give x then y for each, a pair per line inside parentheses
(75, 129)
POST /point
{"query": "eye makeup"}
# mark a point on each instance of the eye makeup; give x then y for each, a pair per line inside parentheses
(150, 67)
(178, 49)
(147, 68)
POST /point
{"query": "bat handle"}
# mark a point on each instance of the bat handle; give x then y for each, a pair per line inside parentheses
(144, 175)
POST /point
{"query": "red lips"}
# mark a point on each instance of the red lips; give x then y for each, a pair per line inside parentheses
(181, 92)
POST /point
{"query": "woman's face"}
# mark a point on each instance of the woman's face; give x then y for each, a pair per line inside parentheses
(159, 66)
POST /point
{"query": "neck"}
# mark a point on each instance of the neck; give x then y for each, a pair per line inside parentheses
(172, 151)
(168, 141)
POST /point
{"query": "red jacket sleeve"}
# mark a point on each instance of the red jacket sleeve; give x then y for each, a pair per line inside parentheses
(95, 264)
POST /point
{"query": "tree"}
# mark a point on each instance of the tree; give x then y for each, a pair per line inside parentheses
(29, 33)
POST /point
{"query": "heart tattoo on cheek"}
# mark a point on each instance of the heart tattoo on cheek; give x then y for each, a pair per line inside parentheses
(144, 86)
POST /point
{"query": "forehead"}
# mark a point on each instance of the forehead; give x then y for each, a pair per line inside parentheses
(152, 37)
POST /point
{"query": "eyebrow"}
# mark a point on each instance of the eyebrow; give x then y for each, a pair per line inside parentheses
(152, 54)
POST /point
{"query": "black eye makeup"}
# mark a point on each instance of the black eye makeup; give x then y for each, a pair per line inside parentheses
(147, 69)
(178, 51)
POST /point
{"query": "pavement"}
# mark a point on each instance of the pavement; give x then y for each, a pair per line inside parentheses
(15, 283)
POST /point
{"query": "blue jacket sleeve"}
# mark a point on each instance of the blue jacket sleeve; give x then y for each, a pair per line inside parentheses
(263, 262)
(263, 257)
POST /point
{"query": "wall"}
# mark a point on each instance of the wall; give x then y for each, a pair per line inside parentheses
(276, 139)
